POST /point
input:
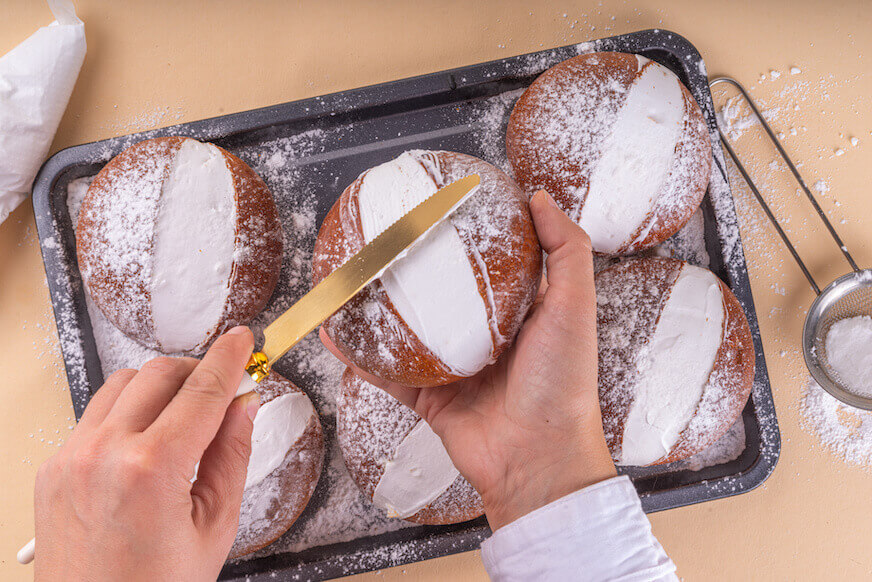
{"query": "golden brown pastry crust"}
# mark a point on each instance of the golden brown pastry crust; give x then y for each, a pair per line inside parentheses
(122, 294)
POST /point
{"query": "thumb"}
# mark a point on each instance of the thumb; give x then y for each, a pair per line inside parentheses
(570, 296)
(217, 492)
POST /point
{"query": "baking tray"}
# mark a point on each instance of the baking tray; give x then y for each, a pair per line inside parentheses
(436, 111)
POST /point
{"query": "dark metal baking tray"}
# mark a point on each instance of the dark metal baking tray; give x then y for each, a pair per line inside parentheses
(430, 111)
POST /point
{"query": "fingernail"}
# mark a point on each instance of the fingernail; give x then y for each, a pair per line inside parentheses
(550, 200)
(238, 330)
(252, 405)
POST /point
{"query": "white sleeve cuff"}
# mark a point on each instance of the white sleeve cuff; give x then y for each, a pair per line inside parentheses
(597, 533)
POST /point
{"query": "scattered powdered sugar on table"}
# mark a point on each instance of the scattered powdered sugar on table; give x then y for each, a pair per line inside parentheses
(785, 102)
(844, 430)
(849, 353)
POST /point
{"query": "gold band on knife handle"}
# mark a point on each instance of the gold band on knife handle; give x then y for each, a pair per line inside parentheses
(258, 366)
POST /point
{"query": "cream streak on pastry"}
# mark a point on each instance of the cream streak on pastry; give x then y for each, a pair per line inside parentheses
(279, 424)
(417, 475)
(433, 286)
(675, 367)
(635, 159)
(194, 242)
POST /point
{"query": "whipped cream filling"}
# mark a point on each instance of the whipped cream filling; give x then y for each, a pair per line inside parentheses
(635, 159)
(278, 425)
(419, 473)
(674, 368)
(194, 242)
(433, 287)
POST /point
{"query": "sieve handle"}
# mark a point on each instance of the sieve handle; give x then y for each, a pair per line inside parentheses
(799, 179)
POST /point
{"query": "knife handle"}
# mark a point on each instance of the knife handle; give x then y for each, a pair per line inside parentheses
(258, 366)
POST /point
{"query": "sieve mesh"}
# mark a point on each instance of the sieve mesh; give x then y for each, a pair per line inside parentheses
(848, 296)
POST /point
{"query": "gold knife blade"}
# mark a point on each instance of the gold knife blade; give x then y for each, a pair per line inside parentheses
(356, 273)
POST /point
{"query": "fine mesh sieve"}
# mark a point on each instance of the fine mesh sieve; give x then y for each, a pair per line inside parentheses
(848, 296)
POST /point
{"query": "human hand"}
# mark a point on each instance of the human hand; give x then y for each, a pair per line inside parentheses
(527, 430)
(117, 503)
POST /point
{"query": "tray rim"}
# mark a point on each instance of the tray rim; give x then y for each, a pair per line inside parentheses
(411, 89)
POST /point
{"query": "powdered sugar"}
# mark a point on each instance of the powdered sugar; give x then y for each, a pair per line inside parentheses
(849, 353)
(728, 448)
(115, 349)
(116, 249)
(844, 430)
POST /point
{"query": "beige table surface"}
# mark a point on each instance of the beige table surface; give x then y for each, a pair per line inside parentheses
(162, 62)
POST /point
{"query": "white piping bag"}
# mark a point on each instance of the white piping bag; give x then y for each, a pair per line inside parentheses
(36, 80)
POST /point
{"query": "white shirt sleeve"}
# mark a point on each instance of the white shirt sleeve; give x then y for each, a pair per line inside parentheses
(597, 533)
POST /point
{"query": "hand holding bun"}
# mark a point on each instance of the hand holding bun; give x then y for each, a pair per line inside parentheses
(456, 301)
(116, 502)
(527, 430)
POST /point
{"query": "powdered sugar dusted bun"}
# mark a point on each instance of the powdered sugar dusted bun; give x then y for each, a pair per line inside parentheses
(287, 453)
(397, 460)
(676, 360)
(619, 142)
(178, 241)
(455, 302)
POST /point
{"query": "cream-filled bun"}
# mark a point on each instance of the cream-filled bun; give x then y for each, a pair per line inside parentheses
(619, 142)
(457, 299)
(676, 359)
(397, 460)
(178, 241)
(287, 453)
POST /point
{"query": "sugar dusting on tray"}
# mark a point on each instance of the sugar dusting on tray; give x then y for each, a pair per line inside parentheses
(338, 511)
